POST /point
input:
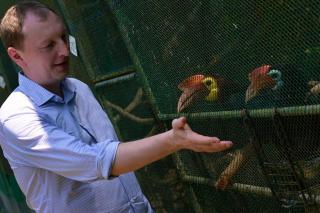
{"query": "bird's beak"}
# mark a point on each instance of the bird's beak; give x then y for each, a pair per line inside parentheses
(251, 92)
(192, 88)
(257, 85)
(259, 79)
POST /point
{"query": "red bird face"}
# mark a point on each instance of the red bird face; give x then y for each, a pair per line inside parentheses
(259, 79)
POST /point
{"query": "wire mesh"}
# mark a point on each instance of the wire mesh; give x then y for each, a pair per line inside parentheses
(291, 164)
(243, 71)
(131, 114)
(227, 40)
(100, 44)
(246, 71)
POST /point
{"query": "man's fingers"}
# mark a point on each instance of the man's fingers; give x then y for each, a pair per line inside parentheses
(194, 136)
(220, 146)
(209, 146)
(195, 141)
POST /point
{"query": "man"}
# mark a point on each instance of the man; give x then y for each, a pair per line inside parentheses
(59, 142)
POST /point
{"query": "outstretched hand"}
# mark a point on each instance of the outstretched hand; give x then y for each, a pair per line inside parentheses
(185, 138)
(136, 154)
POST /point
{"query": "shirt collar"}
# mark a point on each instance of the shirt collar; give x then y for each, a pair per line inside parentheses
(40, 95)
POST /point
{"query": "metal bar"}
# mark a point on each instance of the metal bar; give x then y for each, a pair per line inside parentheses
(244, 188)
(115, 80)
(255, 140)
(114, 74)
(258, 190)
(239, 187)
(83, 55)
(194, 200)
(254, 113)
(285, 141)
(198, 180)
(136, 61)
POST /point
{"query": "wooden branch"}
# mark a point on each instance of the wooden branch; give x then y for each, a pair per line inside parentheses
(239, 159)
(137, 100)
(129, 115)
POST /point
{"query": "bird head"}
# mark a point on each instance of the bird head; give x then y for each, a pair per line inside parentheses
(262, 78)
(197, 87)
(212, 86)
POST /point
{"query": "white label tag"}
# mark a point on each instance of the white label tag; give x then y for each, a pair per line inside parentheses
(2, 82)
(73, 45)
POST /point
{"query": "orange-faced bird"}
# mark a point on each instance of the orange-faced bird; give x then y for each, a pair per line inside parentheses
(211, 88)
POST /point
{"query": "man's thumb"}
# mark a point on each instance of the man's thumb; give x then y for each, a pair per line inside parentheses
(180, 123)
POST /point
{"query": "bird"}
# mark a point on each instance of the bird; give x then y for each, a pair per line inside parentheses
(276, 86)
(211, 88)
(313, 91)
(294, 137)
(240, 157)
(258, 80)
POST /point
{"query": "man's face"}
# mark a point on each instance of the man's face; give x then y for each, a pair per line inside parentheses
(44, 57)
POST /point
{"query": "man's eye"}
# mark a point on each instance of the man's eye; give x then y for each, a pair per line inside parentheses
(50, 45)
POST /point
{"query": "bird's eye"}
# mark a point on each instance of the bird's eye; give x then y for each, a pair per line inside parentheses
(275, 74)
(208, 82)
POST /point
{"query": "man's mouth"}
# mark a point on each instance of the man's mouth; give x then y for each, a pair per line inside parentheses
(62, 64)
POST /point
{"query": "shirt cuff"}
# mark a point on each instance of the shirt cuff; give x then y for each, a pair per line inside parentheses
(107, 158)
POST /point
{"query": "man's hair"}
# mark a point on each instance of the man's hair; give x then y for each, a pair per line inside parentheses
(12, 22)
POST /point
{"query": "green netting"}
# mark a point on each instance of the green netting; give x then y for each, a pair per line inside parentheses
(247, 183)
(161, 184)
(78, 65)
(124, 99)
(264, 58)
(273, 166)
(8, 75)
(289, 155)
(11, 197)
(100, 45)
(131, 114)
(182, 38)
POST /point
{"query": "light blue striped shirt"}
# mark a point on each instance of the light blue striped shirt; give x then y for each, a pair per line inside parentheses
(61, 151)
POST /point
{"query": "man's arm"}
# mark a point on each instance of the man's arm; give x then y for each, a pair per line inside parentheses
(136, 154)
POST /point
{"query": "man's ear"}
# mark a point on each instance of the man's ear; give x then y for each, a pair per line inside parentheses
(15, 56)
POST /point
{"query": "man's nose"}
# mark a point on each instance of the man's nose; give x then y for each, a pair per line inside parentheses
(64, 48)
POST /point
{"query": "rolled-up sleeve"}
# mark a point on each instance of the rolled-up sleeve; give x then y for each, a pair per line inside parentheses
(32, 141)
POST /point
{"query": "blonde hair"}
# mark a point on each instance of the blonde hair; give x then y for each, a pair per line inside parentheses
(12, 22)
